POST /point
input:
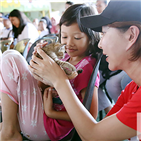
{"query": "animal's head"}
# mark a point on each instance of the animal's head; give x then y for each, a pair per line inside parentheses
(60, 50)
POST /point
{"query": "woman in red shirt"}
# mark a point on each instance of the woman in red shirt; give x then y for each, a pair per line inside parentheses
(120, 24)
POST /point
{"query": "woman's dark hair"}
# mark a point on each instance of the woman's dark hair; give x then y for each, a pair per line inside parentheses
(73, 15)
(49, 25)
(136, 48)
(18, 14)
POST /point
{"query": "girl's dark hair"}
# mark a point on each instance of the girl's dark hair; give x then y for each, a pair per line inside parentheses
(73, 15)
(18, 14)
(49, 25)
(104, 1)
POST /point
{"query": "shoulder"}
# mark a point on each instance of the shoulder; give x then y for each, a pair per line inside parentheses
(128, 113)
(128, 93)
(30, 29)
(66, 57)
(30, 26)
(91, 60)
(86, 61)
(131, 87)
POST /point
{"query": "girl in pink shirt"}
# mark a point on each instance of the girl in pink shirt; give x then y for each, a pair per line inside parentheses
(22, 103)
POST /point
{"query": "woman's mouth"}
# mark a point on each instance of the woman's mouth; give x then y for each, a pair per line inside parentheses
(107, 58)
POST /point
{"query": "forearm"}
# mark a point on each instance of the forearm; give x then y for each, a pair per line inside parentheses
(62, 115)
(109, 129)
(94, 103)
(75, 108)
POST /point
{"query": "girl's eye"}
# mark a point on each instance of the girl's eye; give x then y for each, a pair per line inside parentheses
(64, 37)
(77, 38)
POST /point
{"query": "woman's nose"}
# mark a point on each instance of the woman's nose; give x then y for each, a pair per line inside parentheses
(99, 44)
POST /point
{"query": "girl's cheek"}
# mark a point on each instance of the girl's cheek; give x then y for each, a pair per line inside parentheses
(63, 41)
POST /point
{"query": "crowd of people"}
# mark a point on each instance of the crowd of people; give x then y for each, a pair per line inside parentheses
(84, 30)
(15, 26)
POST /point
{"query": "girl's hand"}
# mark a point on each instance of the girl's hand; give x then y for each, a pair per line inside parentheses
(48, 102)
(46, 70)
(49, 93)
(39, 45)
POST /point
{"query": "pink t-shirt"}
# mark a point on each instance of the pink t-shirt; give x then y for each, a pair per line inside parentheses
(58, 129)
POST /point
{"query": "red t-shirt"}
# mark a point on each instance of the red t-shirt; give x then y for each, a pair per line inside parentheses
(58, 129)
(128, 105)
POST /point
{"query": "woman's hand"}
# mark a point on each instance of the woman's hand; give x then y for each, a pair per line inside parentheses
(45, 70)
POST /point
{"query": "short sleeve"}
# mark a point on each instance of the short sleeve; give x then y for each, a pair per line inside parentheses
(97, 79)
(128, 105)
(118, 105)
(128, 113)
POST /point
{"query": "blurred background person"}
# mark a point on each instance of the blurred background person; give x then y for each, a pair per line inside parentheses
(42, 28)
(1, 28)
(7, 33)
(101, 5)
(68, 4)
(48, 21)
(1, 22)
(22, 29)
(35, 23)
(55, 26)
(1, 16)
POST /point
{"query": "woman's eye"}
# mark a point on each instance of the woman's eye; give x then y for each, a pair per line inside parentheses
(102, 34)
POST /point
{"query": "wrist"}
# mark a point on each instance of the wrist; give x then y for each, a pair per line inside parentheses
(50, 113)
(60, 83)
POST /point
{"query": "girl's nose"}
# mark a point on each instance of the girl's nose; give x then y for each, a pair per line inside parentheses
(70, 42)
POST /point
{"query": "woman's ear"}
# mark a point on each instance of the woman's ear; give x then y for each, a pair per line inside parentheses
(133, 33)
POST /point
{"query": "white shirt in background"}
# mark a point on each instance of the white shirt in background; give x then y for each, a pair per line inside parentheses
(29, 31)
(43, 33)
(5, 33)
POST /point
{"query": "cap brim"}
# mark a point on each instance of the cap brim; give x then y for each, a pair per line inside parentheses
(95, 22)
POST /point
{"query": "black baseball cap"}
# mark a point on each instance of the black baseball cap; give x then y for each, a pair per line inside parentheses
(116, 11)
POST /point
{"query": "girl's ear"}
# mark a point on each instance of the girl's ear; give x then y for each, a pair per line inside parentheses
(133, 33)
